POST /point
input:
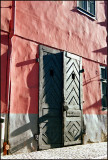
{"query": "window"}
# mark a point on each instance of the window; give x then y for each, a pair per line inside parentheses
(87, 7)
(103, 77)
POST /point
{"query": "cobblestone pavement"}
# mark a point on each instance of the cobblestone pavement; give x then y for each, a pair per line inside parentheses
(88, 151)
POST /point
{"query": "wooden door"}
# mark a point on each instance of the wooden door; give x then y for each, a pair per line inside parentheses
(72, 99)
(50, 97)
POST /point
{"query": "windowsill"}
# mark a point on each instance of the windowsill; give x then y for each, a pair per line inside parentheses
(86, 13)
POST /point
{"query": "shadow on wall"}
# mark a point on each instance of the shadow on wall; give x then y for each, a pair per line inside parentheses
(102, 50)
(31, 118)
(96, 128)
(104, 24)
(52, 85)
(52, 99)
(4, 62)
(90, 80)
(94, 108)
(30, 128)
(4, 39)
(24, 135)
(3, 82)
(4, 79)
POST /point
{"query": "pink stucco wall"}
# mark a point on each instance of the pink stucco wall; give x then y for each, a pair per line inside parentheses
(6, 10)
(5, 20)
(91, 88)
(24, 77)
(60, 25)
(57, 24)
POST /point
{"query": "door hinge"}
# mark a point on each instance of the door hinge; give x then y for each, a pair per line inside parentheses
(82, 70)
(37, 59)
(36, 137)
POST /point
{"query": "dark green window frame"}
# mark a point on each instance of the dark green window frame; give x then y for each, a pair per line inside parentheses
(87, 7)
(103, 78)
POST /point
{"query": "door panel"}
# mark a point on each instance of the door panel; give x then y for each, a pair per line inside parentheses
(50, 97)
(72, 99)
(59, 75)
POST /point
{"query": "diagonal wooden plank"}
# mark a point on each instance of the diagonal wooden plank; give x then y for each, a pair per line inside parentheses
(75, 83)
(55, 60)
(73, 100)
(46, 60)
(77, 63)
(69, 64)
(57, 71)
(72, 93)
(57, 84)
(76, 66)
(46, 86)
(68, 84)
(46, 70)
(68, 60)
(69, 68)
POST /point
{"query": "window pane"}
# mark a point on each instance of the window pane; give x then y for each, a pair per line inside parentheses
(88, 6)
(92, 1)
(104, 88)
(83, 5)
(92, 8)
(103, 73)
(104, 101)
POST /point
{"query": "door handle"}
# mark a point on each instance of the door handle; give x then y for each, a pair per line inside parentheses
(66, 107)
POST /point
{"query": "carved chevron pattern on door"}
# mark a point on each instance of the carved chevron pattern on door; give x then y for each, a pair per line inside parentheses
(52, 83)
(72, 85)
(72, 91)
(51, 99)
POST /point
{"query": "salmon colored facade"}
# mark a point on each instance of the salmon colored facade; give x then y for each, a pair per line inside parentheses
(56, 24)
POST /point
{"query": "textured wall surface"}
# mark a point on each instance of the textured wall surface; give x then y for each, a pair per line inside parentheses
(91, 88)
(95, 120)
(96, 128)
(5, 20)
(4, 80)
(24, 77)
(6, 9)
(24, 96)
(60, 25)
(22, 131)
